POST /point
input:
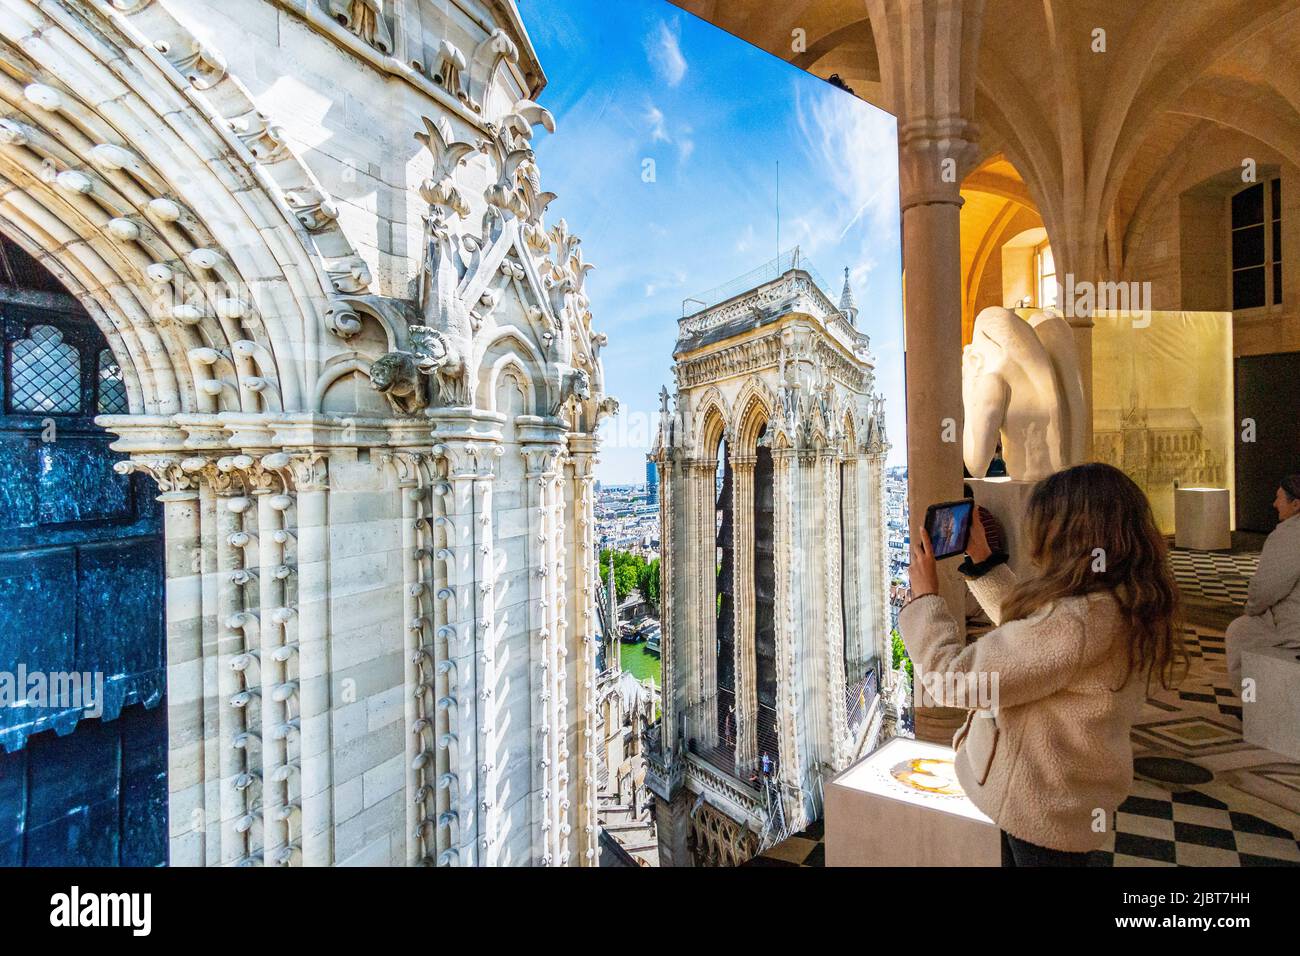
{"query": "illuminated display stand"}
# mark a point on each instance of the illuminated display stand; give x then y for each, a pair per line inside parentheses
(901, 807)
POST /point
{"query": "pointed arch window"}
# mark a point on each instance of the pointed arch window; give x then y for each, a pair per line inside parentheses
(44, 374)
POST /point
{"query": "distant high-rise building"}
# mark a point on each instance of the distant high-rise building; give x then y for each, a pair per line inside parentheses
(651, 482)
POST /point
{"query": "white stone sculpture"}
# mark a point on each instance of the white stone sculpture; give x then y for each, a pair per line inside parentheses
(1021, 384)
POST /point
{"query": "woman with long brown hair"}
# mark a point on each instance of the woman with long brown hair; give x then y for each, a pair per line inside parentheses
(1046, 754)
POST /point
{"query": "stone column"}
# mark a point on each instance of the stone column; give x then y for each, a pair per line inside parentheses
(315, 737)
(539, 468)
(214, 754)
(460, 560)
(931, 153)
(785, 535)
(672, 590)
(833, 628)
(878, 538)
(582, 614)
(419, 836)
(237, 687)
(277, 691)
(488, 667)
(704, 657)
(742, 550)
(182, 567)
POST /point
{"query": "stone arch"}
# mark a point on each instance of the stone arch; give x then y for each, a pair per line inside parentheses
(755, 412)
(848, 430)
(712, 423)
(139, 180)
(509, 349)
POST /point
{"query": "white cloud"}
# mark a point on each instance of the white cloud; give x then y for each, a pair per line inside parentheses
(680, 137)
(655, 120)
(663, 47)
(855, 147)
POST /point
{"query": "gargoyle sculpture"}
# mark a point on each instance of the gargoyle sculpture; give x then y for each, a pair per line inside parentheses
(397, 376)
(574, 383)
(437, 354)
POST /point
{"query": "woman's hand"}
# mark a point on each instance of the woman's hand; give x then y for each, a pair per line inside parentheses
(977, 546)
(923, 572)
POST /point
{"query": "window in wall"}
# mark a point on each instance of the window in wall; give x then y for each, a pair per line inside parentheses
(44, 373)
(1275, 190)
(1257, 245)
(1045, 271)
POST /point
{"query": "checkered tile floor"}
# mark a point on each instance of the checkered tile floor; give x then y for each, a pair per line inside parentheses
(1217, 577)
(1247, 815)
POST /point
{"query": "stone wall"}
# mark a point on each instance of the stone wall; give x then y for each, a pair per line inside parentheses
(362, 369)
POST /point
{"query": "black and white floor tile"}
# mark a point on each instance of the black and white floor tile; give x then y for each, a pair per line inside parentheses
(1214, 575)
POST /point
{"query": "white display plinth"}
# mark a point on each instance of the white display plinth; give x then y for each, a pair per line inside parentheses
(1202, 519)
(872, 819)
(1272, 719)
(1007, 499)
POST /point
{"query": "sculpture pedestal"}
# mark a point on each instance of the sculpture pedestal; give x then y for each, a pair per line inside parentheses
(873, 819)
(1272, 718)
(1007, 499)
(1202, 519)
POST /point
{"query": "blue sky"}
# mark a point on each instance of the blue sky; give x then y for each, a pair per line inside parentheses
(641, 80)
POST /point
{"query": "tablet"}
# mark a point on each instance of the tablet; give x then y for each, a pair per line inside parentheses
(948, 525)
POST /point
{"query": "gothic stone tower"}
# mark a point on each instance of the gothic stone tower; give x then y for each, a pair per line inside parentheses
(775, 584)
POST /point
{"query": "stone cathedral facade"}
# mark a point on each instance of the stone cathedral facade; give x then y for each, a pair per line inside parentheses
(775, 584)
(360, 367)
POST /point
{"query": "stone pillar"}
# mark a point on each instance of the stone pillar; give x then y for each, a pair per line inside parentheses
(876, 537)
(704, 657)
(213, 753)
(582, 614)
(182, 567)
(237, 689)
(461, 560)
(277, 690)
(310, 477)
(931, 153)
(540, 464)
(671, 590)
(833, 627)
(785, 533)
(418, 835)
(742, 551)
(486, 663)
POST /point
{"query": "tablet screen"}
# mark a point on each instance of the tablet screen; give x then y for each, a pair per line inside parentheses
(949, 527)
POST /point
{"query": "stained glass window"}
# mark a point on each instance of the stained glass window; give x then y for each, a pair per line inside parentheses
(44, 373)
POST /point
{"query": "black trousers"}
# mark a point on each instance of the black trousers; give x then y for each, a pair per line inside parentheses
(1019, 853)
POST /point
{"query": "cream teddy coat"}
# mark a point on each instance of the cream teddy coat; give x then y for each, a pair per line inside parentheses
(1048, 758)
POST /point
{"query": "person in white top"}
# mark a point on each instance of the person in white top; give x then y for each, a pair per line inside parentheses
(1273, 601)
